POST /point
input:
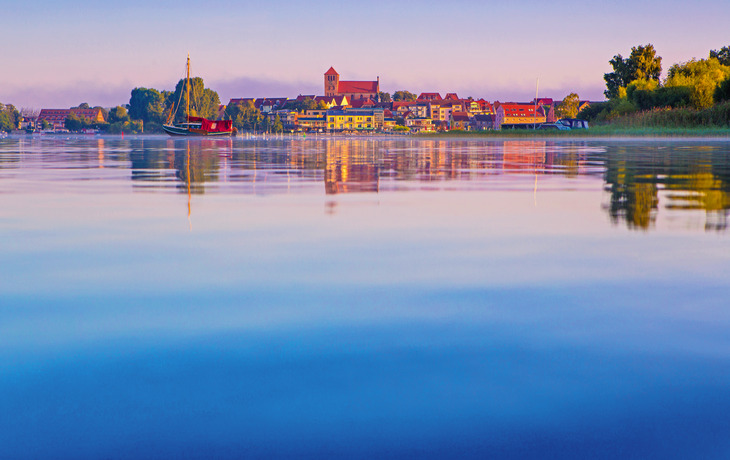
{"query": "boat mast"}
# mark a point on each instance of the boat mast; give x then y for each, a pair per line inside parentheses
(187, 92)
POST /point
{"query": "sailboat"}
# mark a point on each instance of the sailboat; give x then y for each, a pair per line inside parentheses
(196, 126)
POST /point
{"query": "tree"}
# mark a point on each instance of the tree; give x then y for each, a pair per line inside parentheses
(83, 105)
(278, 126)
(722, 55)
(384, 97)
(148, 105)
(404, 95)
(569, 107)
(304, 104)
(722, 93)
(701, 76)
(643, 63)
(204, 102)
(118, 114)
(9, 117)
(245, 115)
(76, 123)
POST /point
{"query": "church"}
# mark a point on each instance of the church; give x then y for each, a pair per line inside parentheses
(353, 90)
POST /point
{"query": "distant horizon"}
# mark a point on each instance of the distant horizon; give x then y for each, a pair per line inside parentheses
(73, 96)
(490, 51)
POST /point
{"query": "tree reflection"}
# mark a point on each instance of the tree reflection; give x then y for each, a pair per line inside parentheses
(642, 180)
(639, 178)
(192, 163)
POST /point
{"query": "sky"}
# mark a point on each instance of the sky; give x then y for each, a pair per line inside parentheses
(60, 54)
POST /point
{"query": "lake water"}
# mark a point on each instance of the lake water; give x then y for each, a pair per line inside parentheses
(364, 298)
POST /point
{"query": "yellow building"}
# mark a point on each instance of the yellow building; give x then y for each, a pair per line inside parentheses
(354, 120)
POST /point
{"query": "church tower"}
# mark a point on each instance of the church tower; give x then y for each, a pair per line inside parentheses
(331, 82)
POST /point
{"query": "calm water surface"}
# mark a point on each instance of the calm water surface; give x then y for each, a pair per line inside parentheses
(364, 298)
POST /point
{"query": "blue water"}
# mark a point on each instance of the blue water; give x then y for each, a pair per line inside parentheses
(364, 298)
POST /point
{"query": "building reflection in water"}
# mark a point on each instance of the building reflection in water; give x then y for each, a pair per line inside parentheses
(640, 180)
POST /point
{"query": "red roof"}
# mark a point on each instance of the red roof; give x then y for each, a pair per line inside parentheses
(452, 96)
(460, 116)
(357, 87)
(331, 71)
(518, 110)
(429, 97)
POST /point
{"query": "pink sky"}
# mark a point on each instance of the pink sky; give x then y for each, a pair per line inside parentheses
(96, 53)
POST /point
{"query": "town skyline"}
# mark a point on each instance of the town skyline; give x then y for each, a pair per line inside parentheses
(97, 53)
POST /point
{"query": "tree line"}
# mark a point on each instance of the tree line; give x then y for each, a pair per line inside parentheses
(696, 92)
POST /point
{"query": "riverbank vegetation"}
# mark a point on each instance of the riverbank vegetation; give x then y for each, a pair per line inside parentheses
(694, 95)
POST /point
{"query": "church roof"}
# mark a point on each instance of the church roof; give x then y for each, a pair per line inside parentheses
(331, 71)
(357, 87)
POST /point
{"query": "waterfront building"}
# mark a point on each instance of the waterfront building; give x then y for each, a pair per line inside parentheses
(419, 125)
(353, 90)
(517, 115)
(419, 109)
(57, 117)
(460, 120)
(355, 119)
(483, 122)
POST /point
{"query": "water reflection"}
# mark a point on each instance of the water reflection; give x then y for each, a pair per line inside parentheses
(642, 180)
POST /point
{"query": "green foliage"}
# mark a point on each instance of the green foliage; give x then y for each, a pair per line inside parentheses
(127, 127)
(245, 116)
(204, 102)
(83, 105)
(303, 105)
(602, 112)
(591, 112)
(118, 114)
(643, 63)
(569, 107)
(722, 55)
(148, 105)
(278, 126)
(717, 116)
(384, 97)
(722, 92)
(701, 76)
(404, 95)
(74, 123)
(9, 117)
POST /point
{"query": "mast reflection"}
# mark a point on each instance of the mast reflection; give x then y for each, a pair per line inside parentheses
(641, 181)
